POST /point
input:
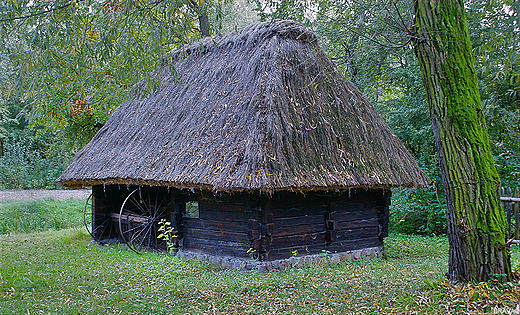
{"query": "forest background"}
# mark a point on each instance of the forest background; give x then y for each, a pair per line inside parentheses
(71, 65)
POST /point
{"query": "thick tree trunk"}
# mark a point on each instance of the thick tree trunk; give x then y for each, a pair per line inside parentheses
(476, 223)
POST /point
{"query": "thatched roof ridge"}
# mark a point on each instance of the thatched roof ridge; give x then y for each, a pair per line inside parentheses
(261, 109)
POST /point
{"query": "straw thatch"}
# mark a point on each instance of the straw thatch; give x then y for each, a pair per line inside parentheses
(262, 109)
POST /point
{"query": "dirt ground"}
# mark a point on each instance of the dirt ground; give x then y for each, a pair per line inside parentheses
(56, 194)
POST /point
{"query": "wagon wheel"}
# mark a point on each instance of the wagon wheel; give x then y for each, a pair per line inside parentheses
(139, 217)
(103, 223)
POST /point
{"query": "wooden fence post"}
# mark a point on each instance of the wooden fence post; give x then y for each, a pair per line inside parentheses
(511, 204)
(516, 210)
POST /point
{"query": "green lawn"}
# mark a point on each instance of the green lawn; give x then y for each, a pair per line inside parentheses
(62, 272)
(38, 215)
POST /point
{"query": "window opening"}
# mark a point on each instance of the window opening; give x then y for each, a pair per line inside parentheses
(192, 209)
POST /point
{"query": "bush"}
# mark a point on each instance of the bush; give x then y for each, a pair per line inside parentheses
(23, 165)
(418, 212)
(30, 158)
(421, 211)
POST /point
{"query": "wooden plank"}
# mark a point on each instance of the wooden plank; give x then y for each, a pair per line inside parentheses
(357, 195)
(215, 235)
(219, 248)
(297, 240)
(346, 225)
(224, 206)
(224, 215)
(210, 197)
(312, 219)
(352, 234)
(353, 207)
(284, 199)
(346, 245)
(254, 235)
(298, 230)
(129, 218)
(341, 217)
(191, 241)
(509, 199)
(216, 225)
(279, 213)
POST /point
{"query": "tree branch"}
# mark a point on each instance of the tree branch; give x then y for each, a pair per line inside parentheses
(38, 13)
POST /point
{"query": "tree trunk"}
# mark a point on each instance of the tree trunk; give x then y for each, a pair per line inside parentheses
(476, 222)
(203, 17)
(204, 24)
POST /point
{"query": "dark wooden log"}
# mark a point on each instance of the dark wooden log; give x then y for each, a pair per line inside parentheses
(346, 245)
(216, 225)
(215, 235)
(383, 213)
(299, 240)
(313, 219)
(300, 211)
(353, 234)
(355, 216)
(298, 230)
(255, 232)
(218, 248)
(253, 224)
(224, 206)
(224, 216)
(346, 225)
(349, 206)
(267, 229)
(254, 235)
(281, 200)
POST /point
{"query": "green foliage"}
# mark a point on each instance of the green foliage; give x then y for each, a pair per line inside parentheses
(167, 234)
(494, 35)
(38, 215)
(421, 212)
(31, 157)
(76, 61)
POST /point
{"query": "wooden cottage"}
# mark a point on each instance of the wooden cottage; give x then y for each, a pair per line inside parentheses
(255, 145)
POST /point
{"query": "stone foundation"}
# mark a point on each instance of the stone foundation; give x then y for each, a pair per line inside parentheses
(283, 264)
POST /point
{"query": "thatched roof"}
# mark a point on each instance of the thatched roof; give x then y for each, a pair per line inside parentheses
(261, 109)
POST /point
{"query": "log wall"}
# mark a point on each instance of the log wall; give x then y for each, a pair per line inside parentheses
(221, 228)
(287, 224)
(269, 227)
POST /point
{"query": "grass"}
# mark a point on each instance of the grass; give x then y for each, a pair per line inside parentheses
(62, 272)
(39, 215)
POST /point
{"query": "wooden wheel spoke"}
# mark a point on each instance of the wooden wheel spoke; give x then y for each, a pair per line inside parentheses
(146, 238)
(137, 205)
(139, 216)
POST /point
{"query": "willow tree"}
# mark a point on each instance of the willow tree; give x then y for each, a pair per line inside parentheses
(476, 223)
(76, 61)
